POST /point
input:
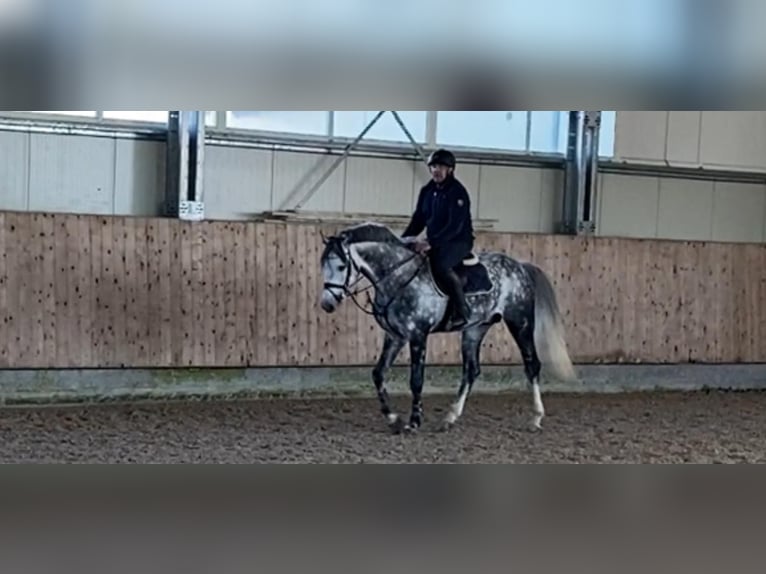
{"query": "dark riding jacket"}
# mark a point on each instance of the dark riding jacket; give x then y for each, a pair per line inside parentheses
(445, 212)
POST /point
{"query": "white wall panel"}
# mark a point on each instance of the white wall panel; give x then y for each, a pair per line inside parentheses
(379, 186)
(734, 140)
(290, 169)
(629, 206)
(683, 146)
(238, 181)
(14, 171)
(513, 196)
(641, 136)
(140, 178)
(551, 200)
(72, 174)
(686, 209)
(739, 212)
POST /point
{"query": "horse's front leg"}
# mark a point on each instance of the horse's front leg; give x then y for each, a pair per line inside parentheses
(417, 375)
(472, 340)
(391, 348)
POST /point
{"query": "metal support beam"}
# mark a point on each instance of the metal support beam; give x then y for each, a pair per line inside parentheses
(581, 178)
(288, 201)
(184, 195)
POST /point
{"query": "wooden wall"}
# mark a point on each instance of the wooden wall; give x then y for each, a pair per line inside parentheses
(93, 291)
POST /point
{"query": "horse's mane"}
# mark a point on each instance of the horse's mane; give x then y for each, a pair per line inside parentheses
(370, 232)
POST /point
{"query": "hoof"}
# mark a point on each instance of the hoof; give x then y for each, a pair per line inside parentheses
(396, 425)
(535, 427)
(411, 429)
(446, 426)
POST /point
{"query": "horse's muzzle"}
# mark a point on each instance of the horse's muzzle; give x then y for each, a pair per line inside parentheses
(329, 302)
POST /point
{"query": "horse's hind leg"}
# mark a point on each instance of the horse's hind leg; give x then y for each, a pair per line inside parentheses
(391, 349)
(471, 344)
(522, 328)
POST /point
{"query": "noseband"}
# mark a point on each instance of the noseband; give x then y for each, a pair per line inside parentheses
(335, 246)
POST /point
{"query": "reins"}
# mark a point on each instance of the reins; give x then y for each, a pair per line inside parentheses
(377, 311)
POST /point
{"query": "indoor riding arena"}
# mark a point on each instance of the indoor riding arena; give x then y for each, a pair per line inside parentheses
(161, 275)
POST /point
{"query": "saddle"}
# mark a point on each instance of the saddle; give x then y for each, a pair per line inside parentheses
(471, 260)
(474, 275)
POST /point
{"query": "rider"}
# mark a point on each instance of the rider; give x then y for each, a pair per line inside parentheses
(444, 210)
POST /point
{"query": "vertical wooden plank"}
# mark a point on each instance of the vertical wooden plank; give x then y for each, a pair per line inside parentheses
(283, 293)
(34, 303)
(122, 344)
(314, 281)
(65, 297)
(188, 324)
(740, 324)
(152, 274)
(654, 329)
(14, 282)
(130, 348)
(251, 288)
(263, 290)
(211, 291)
(110, 302)
(730, 351)
(83, 287)
(97, 291)
(240, 304)
(200, 307)
(630, 261)
(137, 291)
(48, 276)
(167, 276)
(230, 244)
(5, 311)
(272, 292)
(302, 295)
(705, 308)
(159, 302)
(152, 321)
(720, 332)
(672, 318)
(696, 320)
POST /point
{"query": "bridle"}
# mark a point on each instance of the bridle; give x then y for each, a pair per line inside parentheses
(336, 244)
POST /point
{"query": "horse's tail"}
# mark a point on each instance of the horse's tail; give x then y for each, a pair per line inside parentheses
(549, 330)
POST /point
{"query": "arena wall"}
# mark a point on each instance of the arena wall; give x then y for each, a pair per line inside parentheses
(80, 292)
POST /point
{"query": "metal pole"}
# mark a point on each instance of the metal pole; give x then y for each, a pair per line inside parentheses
(581, 180)
(409, 136)
(572, 176)
(185, 157)
(591, 126)
(332, 169)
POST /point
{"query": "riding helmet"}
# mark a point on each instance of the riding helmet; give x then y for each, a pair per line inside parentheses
(442, 157)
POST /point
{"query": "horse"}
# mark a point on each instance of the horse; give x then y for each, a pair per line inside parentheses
(409, 306)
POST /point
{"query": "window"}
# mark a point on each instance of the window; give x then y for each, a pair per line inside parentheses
(305, 123)
(138, 116)
(497, 130)
(351, 124)
(548, 132)
(606, 134)
(59, 113)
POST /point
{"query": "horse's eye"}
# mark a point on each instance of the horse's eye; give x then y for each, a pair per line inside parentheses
(341, 267)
